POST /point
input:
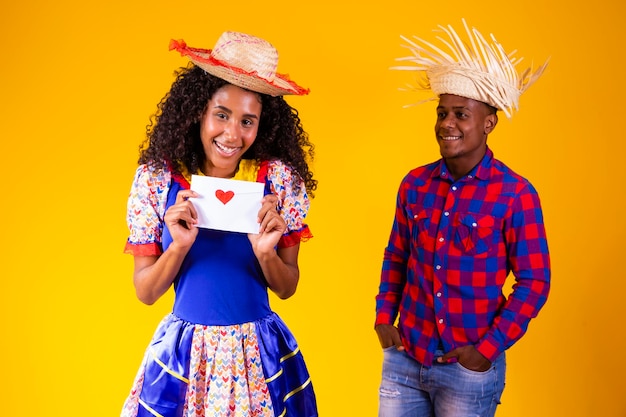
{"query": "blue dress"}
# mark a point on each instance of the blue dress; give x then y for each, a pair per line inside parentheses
(222, 351)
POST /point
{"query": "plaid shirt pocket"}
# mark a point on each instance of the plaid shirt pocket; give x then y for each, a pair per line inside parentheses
(475, 234)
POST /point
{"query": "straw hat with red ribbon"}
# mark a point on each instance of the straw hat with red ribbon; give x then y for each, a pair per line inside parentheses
(243, 60)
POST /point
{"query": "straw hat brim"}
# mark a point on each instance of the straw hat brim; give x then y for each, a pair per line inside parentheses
(279, 86)
(474, 68)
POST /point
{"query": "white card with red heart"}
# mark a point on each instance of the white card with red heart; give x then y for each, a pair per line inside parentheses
(229, 205)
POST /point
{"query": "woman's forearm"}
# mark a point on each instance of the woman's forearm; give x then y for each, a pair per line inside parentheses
(153, 275)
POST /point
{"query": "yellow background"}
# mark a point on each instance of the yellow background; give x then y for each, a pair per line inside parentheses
(79, 80)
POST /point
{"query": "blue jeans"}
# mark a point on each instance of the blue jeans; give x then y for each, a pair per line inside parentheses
(409, 389)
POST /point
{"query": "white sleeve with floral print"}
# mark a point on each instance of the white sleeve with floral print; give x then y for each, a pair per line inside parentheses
(146, 208)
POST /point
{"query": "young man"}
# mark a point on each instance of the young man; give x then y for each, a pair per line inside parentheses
(462, 224)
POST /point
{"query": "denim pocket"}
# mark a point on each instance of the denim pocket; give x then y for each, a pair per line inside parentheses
(471, 372)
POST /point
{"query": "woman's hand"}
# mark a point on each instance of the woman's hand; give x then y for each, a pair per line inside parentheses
(272, 227)
(153, 275)
(181, 219)
(280, 266)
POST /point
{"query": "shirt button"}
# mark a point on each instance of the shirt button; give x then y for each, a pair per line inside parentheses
(470, 176)
(441, 239)
(440, 321)
(454, 188)
(474, 224)
(446, 213)
(438, 294)
(415, 216)
(438, 267)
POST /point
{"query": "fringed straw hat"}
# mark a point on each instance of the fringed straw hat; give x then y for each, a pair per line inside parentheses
(478, 70)
(243, 60)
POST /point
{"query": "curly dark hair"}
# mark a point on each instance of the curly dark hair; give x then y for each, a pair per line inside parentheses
(173, 134)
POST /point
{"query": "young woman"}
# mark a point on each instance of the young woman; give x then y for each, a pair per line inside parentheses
(222, 350)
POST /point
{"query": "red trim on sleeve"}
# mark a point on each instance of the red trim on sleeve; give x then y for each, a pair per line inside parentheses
(295, 237)
(145, 249)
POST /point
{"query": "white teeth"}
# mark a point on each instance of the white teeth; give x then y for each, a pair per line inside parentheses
(450, 137)
(225, 148)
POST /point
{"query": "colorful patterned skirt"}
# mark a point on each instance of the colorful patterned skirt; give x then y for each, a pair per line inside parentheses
(250, 369)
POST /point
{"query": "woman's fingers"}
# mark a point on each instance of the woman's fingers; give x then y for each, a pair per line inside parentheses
(269, 204)
(183, 212)
(185, 195)
(271, 221)
(269, 209)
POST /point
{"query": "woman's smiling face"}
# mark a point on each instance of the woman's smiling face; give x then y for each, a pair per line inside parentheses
(228, 128)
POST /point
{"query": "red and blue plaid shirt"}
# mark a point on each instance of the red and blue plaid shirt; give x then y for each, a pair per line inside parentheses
(452, 246)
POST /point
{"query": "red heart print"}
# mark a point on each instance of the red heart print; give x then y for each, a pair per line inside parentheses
(224, 196)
